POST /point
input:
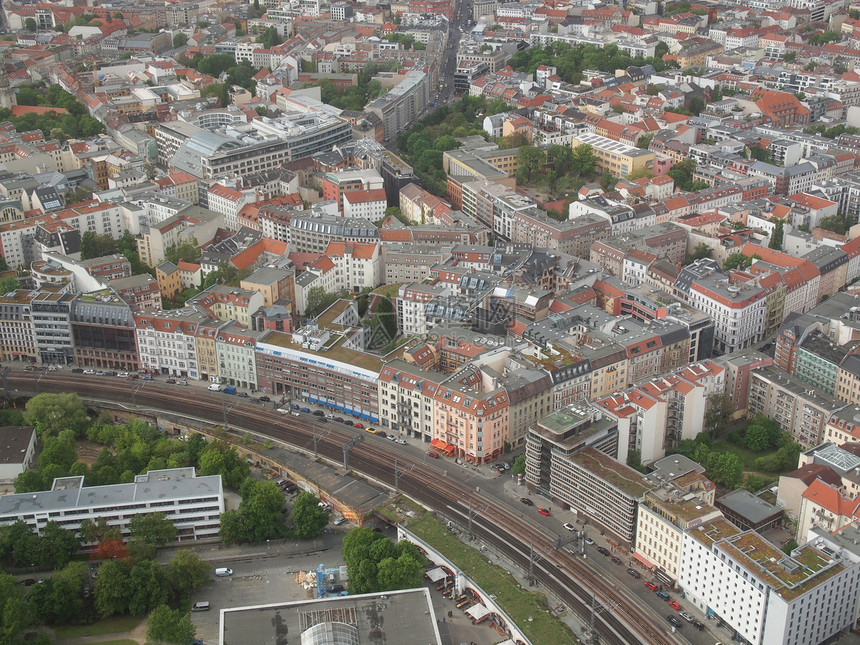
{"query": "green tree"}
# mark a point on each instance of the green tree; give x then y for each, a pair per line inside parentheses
(95, 531)
(719, 412)
(584, 161)
(30, 25)
(530, 164)
(833, 223)
(94, 245)
(702, 250)
(318, 300)
(19, 546)
(375, 563)
(62, 597)
(220, 458)
(187, 572)
(149, 587)
(777, 237)
(78, 194)
(725, 468)
(645, 140)
(57, 546)
(270, 38)
(696, 105)
(824, 37)
(218, 90)
(180, 39)
(682, 174)
(519, 467)
(261, 110)
(113, 588)
(149, 531)
(736, 261)
(8, 285)
(169, 626)
(187, 250)
(307, 517)
(50, 414)
(15, 615)
(216, 64)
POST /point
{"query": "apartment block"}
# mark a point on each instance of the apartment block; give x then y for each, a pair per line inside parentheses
(193, 503)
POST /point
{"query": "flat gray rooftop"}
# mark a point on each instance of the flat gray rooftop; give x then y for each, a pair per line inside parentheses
(395, 617)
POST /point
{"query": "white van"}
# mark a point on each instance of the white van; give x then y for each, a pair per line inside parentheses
(223, 572)
(215, 387)
(203, 605)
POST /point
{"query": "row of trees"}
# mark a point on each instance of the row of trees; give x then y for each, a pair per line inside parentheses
(424, 143)
(375, 563)
(75, 123)
(571, 61)
(259, 516)
(94, 245)
(130, 449)
(357, 96)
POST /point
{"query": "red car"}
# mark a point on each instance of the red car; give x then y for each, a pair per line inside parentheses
(543, 511)
(358, 425)
(651, 586)
(434, 455)
(674, 604)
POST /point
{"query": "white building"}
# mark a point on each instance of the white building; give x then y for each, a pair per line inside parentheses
(357, 265)
(17, 451)
(763, 594)
(165, 341)
(737, 308)
(369, 204)
(236, 355)
(228, 202)
(194, 504)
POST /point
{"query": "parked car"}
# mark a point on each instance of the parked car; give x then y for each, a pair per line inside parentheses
(89, 371)
(602, 550)
(527, 501)
(171, 381)
(433, 455)
(380, 433)
(402, 442)
(634, 572)
(370, 430)
(663, 595)
(358, 425)
(319, 413)
(390, 437)
(569, 526)
(674, 622)
(544, 511)
(265, 399)
(146, 377)
(616, 559)
(651, 586)
(686, 616)
(305, 410)
(230, 389)
(338, 419)
(589, 541)
(293, 406)
(122, 375)
(242, 395)
(202, 605)
(77, 370)
(674, 604)
(698, 625)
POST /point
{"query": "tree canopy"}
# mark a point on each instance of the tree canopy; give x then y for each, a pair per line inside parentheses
(308, 518)
(375, 563)
(736, 261)
(75, 123)
(50, 414)
(571, 61)
(318, 301)
(259, 514)
(169, 626)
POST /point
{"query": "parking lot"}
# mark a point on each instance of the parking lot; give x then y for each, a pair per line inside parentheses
(256, 580)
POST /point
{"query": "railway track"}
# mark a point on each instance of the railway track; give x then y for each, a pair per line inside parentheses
(620, 623)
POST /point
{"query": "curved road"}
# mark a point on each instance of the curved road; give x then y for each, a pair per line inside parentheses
(494, 521)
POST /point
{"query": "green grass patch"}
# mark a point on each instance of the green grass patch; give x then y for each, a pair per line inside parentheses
(115, 625)
(746, 455)
(122, 641)
(518, 603)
